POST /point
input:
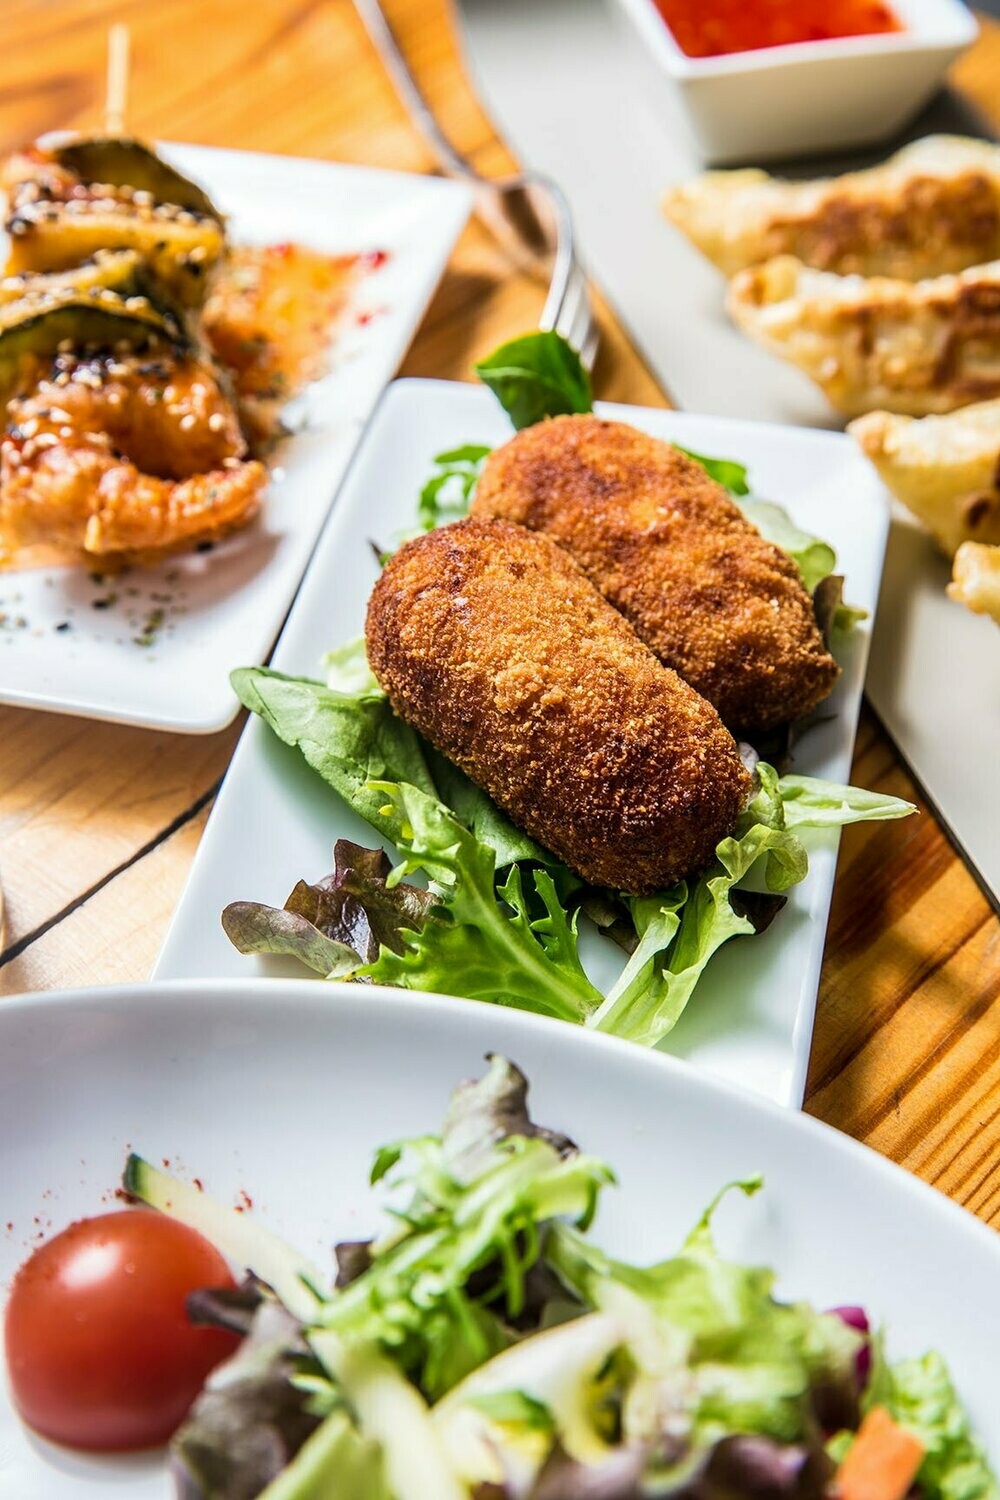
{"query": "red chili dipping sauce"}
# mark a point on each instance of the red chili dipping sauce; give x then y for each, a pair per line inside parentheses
(712, 28)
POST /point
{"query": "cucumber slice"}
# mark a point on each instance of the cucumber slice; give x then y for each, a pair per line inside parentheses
(122, 161)
(393, 1412)
(39, 324)
(117, 270)
(335, 1460)
(238, 1237)
(180, 249)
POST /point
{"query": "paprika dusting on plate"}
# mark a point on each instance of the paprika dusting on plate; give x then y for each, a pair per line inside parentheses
(713, 28)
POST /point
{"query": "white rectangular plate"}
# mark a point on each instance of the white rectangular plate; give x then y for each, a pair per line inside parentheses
(275, 820)
(63, 645)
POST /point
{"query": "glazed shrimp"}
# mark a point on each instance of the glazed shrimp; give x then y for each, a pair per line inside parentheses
(125, 454)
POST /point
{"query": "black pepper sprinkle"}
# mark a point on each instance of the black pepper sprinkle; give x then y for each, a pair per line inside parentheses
(63, 626)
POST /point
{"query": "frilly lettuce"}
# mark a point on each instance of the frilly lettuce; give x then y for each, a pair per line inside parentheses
(483, 1344)
(754, 1364)
(500, 922)
(920, 1396)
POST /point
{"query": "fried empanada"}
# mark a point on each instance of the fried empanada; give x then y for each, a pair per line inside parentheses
(975, 579)
(946, 470)
(878, 342)
(931, 209)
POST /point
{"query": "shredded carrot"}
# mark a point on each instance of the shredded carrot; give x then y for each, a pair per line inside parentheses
(882, 1462)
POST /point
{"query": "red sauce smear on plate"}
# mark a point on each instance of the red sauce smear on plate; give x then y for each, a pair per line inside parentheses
(713, 28)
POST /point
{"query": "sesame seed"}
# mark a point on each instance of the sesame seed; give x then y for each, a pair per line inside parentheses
(186, 423)
(216, 422)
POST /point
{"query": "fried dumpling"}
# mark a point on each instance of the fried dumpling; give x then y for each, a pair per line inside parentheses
(878, 342)
(932, 208)
(946, 470)
(975, 579)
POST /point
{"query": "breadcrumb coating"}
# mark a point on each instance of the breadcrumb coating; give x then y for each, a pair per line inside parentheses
(668, 548)
(491, 642)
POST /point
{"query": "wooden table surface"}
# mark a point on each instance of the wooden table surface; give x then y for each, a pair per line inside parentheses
(99, 824)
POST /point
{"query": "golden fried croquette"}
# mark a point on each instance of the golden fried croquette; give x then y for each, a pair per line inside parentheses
(491, 642)
(668, 548)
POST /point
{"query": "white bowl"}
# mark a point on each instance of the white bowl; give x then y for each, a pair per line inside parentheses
(809, 97)
(283, 1089)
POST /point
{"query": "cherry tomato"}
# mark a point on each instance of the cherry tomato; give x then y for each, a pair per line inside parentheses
(99, 1348)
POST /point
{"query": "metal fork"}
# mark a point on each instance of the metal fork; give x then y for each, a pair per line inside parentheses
(527, 213)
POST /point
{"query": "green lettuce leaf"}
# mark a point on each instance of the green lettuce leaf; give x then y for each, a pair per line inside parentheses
(680, 930)
(756, 1365)
(351, 741)
(336, 1459)
(347, 671)
(809, 802)
(814, 558)
(348, 733)
(448, 492)
(478, 1196)
(832, 613)
(503, 926)
(489, 945)
(920, 1396)
(480, 814)
(725, 471)
(536, 376)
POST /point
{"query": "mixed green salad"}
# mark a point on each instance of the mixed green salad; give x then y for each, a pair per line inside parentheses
(484, 1347)
(493, 915)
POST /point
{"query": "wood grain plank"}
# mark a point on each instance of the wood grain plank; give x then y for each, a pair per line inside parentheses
(79, 799)
(906, 1050)
(117, 932)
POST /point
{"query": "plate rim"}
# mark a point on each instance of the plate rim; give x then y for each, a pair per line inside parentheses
(309, 999)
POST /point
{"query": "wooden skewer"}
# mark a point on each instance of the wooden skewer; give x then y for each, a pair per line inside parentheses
(116, 96)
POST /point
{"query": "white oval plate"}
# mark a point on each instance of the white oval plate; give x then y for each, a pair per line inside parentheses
(283, 1090)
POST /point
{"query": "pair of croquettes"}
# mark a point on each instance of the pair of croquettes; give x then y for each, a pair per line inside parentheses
(579, 645)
